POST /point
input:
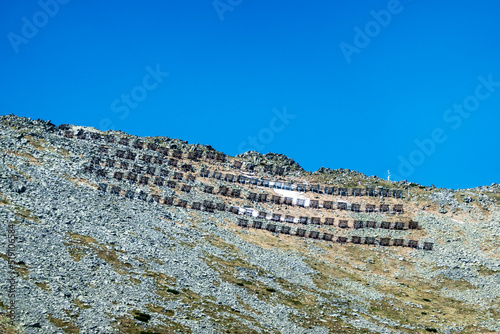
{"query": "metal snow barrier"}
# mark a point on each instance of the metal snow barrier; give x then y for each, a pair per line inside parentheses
(385, 241)
(343, 192)
(129, 194)
(285, 229)
(158, 181)
(237, 164)
(254, 181)
(386, 225)
(303, 220)
(123, 165)
(413, 225)
(358, 224)
(221, 207)
(181, 203)
(328, 205)
(356, 191)
(168, 201)
(288, 201)
(428, 245)
(413, 243)
(327, 236)
(355, 239)
(370, 208)
(217, 175)
(177, 154)
(314, 234)
(315, 220)
(370, 224)
(186, 188)
(314, 204)
(399, 225)
(341, 240)
(329, 221)
(249, 167)
(398, 242)
(264, 183)
(68, 134)
(103, 150)
(196, 206)
(190, 178)
(341, 205)
(262, 197)
(280, 171)
(171, 184)
(271, 227)
(242, 222)
(234, 209)
(248, 212)
(384, 192)
(268, 168)
(301, 232)
(370, 191)
(276, 217)
(289, 219)
(356, 207)
(156, 198)
(146, 158)
(193, 155)
(204, 172)
(173, 162)
(301, 202)
(158, 160)
(123, 141)
(262, 215)
(243, 179)
(224, 191)
(398, 208)
(397, 193)
(103, 187)
(208, 206)
(252, 196)
(210, 155)
(236, 192)
(369, 240)
(88, 169)
(118, 175)
(329, 190)
(343, 224)
(384, 208)
(151, 170)
(110, 163)
(208, 189)
(314, 188)
(257, 224)
(301, 187)
(101, 172)
(276, 199)
(178, 176)
(131, 176)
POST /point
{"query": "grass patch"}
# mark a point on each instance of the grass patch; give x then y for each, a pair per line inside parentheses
(65, 326)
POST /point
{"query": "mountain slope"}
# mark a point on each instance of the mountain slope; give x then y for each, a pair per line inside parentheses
(109, 238)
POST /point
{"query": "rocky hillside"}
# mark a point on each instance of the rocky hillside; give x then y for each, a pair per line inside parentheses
(114, 233)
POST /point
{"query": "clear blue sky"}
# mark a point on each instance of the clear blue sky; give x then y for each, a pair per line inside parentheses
(361, 82)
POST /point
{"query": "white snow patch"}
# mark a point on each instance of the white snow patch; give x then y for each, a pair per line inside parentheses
(294, 195)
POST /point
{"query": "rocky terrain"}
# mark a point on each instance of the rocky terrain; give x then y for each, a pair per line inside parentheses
(120, 234)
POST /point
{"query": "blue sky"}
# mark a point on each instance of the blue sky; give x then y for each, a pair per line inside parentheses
(371, 86)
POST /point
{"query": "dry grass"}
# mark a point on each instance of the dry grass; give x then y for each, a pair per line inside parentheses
(65, 326)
